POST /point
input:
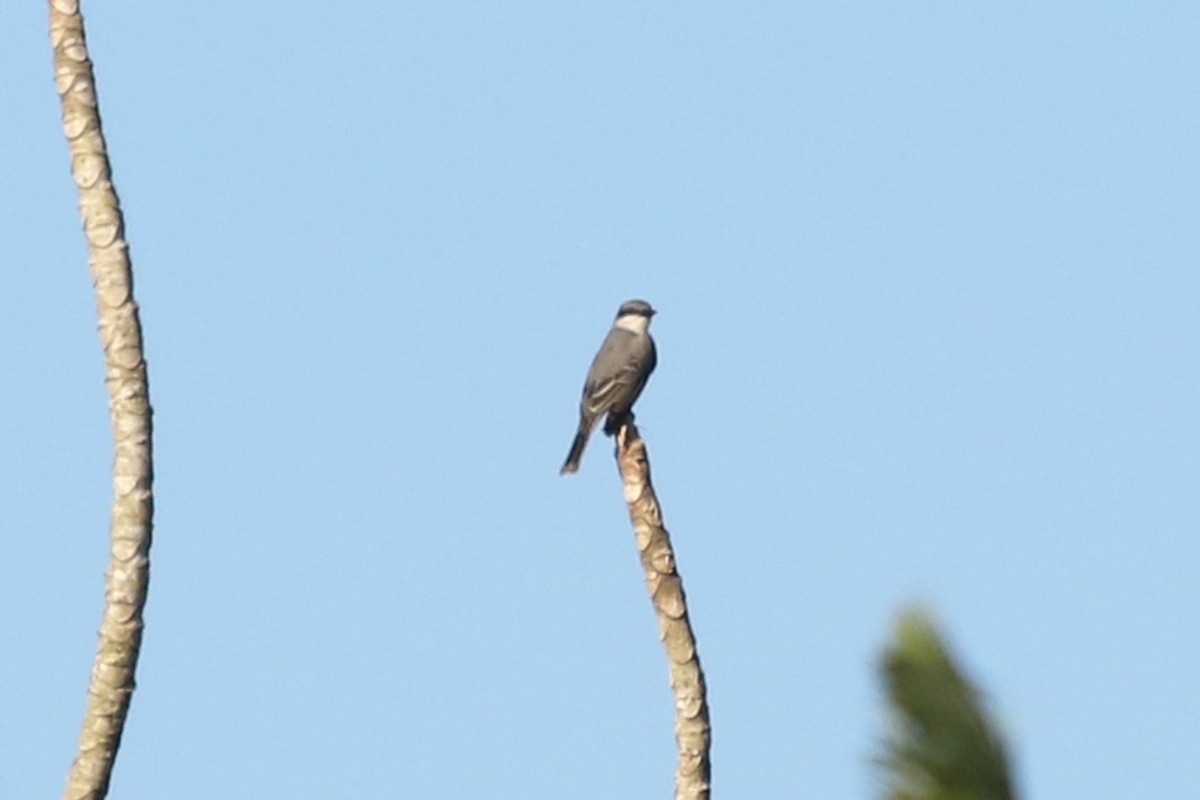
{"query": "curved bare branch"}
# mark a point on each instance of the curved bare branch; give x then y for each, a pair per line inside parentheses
(120, 636)
(693, 735)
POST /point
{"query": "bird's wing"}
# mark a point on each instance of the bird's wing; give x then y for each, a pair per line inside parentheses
(600, 397)
(618, 373)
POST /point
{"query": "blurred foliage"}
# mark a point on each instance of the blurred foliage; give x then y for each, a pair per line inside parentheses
(941, 745)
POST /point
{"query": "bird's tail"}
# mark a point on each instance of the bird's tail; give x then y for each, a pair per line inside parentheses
(572, 463)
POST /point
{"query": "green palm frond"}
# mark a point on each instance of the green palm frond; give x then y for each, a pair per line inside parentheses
(942, 746)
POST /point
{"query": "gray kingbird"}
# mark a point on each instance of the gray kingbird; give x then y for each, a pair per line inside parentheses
(616, 378)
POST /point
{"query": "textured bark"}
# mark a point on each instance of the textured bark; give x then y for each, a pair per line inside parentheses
(692, 733)
(112, 679)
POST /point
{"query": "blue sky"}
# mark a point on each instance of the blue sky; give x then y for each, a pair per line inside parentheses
(928, 326)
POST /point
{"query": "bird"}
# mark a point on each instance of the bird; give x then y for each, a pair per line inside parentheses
(616, 378)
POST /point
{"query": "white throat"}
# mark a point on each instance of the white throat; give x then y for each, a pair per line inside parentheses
(634, 323)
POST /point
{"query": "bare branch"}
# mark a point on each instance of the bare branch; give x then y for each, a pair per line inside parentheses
(112, 678)
(692, 733)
